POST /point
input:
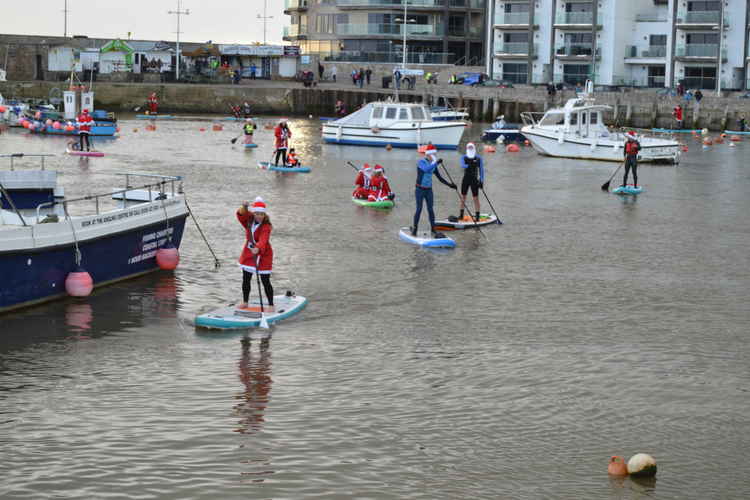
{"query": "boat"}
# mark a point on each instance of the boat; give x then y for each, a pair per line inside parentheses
(425, 239)
(454, 223)
(577, 130)
(402, 125)
(373, 204)
(448, 114)
(13, 111)
(510, 132)
(112, 237)
(98, 129)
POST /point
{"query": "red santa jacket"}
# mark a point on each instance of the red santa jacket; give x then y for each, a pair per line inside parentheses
(84, 122)
(677, 114)
(260, 239)
(282, 136)
(379, 186)
(362, 180)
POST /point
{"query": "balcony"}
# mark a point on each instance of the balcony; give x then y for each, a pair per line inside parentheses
(389, 57)
(576, 19)
(516, 50)
(657, 51)
(390, 4)
(295, 5)
(576, 52)
(474, 4)
(295, 31)
(650, 18)
(389, 30)
(700, 51)
(515, 20)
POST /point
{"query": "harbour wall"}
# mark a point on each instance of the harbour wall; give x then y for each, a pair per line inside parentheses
(643, 108)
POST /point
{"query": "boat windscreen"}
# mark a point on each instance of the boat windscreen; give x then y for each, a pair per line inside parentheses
(361, 117)
(552, 118)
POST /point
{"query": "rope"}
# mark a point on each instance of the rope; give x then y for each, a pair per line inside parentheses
(217, 263)
(75, 238)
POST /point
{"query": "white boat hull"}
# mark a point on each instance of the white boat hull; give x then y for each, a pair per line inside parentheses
(444, 135)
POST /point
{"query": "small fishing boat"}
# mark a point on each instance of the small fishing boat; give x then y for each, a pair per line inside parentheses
(509, 132)
(577, 130)
(403, 125)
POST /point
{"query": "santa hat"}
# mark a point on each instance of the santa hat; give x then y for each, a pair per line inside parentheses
(258, 205)
(471, 145)
(378, 168)
(631, 134)
(85, 110)
(431, 150)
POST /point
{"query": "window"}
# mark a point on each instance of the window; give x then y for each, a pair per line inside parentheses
(579, 7)
(417, 114)
(571, 38)
(704, 38)
(456, 25)
(657, 40)
(377, 112)
(594, 118)
(655, 77)
(516, 7)
(403, 114)
(515, 37)
(342, 18)
(516, 73)
(700, 77)
(325, 23)
(576, 74)
(390, 113)
(704, 6)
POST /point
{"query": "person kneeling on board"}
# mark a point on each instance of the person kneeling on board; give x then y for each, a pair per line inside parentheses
(423, 190)
(292, 160)
(631, 149)
(362, 183)
(380, 190)
(473, 166)
(257, 254)
(249, 130)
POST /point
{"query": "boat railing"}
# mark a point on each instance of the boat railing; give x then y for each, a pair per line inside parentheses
(531, 117)
(156, 191)
(14, 156)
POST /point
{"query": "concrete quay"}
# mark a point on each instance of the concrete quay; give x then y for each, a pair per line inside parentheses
(642, 108)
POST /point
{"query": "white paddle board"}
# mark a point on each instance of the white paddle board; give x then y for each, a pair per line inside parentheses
(466, 223)
(425, 239)
(232, 317)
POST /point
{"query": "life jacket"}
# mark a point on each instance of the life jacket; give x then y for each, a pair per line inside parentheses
(249, 129)
(291, 159)
(632, 148)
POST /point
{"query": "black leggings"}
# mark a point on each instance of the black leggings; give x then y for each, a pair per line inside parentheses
(247, 283)
(282, 153)
(631, 162)
(470, 181)
(85, 137)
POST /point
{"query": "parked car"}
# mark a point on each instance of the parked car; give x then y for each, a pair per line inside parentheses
(468, 78)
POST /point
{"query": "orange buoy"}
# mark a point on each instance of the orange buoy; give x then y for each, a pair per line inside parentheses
(388, 147)
(684, 149)
(719, 140)
(707, 141)
(217, 128)
(167, 257)
(489, 149)
(723, 134)
(526, 143)
(512, 148)
(79, 283)
(617, 466)
(735, 138)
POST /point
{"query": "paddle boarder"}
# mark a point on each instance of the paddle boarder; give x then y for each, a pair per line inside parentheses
(246, 109)
(84, 129)
(473, 167)
(677, 113)
(153, 103)
(248, 129)
(282, 135)
(291, 159)
(423, 190)
(380, 190)
(362, 183)
(257, 254)
(631, 149)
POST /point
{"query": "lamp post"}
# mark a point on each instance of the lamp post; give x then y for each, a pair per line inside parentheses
(403, 22)
(179, 13)
(265, 19)
(65, 13)
(721, 36)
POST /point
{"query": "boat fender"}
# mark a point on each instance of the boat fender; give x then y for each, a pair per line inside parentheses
(617, 467)
(78, 283)
(642, 465)
(167, 257)
(375, 130)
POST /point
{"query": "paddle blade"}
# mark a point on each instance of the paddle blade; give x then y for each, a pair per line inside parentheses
(263, 321)
(605, 186)
(234, 140)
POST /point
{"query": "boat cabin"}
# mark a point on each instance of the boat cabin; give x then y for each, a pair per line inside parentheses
(386, 114)
(578, 117)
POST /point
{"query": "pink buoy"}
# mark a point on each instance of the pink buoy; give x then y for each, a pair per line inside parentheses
(79, 283)
(69, 128)
(38, 115)
(167, 257)
(617, 467)
(735, 138)
(117, 129)
(56, 125)
(684, 149)
(3, 109)
(512, 148)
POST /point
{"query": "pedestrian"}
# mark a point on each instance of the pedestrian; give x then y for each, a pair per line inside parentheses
(680, 89)
(354, 77)
(257, 253)
(631, 149)
(321, 70)
(698, 96)
(282, 135)
(334, 71)
(253, 70)
(368, 74)
(412, 82)
(361, 77)
(473, 179)
(677, 113)
(741, 122)
(423, 190)
(397, 78)
(153, 103)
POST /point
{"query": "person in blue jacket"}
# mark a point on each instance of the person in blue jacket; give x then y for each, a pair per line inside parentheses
(473, 179)
(423, 190)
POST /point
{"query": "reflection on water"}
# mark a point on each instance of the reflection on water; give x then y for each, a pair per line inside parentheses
(255, 375)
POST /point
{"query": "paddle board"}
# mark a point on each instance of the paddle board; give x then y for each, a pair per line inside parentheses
(232, 119)
(154, 117)
(92, 154)
(374, 204)
(465, 223)
(736, 132)
(327, 118)
(629, 189)
(231, 317)
(270, 166)
(677, 130)
(250, 146)
(425, 239)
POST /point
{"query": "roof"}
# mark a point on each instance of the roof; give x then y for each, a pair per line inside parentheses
(117, 46)
(202, 51)
(144, 46)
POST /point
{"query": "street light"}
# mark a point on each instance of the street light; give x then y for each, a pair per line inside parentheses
(721, 36)
(265, 19)
(179, 13)
(403, 28)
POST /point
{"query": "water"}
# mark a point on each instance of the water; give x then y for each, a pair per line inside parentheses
(588, 325)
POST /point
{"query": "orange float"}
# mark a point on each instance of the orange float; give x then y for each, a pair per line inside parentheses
(512, 148)
(489, 149)
(707, 141)
(617, 466)
(735, 138)
(217, 128)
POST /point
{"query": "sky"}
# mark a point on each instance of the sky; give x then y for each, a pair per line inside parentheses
(222, 21)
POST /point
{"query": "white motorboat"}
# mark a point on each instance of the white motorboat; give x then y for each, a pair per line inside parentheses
(445, 113)
(402, 125)
(578, 131)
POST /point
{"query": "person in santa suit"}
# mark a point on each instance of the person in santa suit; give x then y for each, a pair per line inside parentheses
(282, 134)
(153, 103)
(84, 129)
(362, 183)
(380, 190)
(257, 254)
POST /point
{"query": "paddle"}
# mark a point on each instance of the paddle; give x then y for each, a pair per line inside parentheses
(462, 201)
(605, 186)
(493, 208)
(352, 165)
(263, 321)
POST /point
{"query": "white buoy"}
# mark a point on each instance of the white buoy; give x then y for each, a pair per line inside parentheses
(642, 465)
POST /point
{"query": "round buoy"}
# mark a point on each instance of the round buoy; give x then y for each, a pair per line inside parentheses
(704, 131)
(48, 122)
(526, 143)
(79, 283)
(38, 115)
(217, 128)
(735, 138)
(723, 134)
(707, 141)
(388, 147)
(731, 144)
(201, 129)
(684, 149)
(117, 129)
(3, 109)
(617, 466)
(310, 117)
(642, 465)
(489, 149)
(512, 148)
(167, 257)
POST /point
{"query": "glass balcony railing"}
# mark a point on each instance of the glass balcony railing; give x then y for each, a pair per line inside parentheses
(295, 4)
(295, 30)
(390, 3)
(650, 18)
(700, 50)
(389, 29)
(577, 18)
(515, 48)
(573, 50)
(521, 18)
(389, 57)
(653, 51)
(699, 17)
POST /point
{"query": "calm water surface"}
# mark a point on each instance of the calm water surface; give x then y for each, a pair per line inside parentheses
(588, 325)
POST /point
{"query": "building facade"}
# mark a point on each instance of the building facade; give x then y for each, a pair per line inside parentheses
(437, 31)
(643, 43)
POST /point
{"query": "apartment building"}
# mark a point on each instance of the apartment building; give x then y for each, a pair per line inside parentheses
(644, 43)
(437, 31)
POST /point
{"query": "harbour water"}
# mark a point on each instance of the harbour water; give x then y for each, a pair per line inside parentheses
(588, 325)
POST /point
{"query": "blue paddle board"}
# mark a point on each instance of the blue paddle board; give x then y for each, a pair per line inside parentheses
(154, 117)
(232, 317)
(629, 189)
(677, 130)
(294, 170)
(425, 239)
(736, 132)
(250, 146)
(232, 119)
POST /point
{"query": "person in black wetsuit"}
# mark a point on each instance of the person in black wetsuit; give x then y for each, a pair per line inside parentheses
(423, 190)
(473, 179)
(631, 149)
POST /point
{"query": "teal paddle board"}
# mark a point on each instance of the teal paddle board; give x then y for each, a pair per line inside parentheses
(233, 317)
(293, 170)
(629, 189)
